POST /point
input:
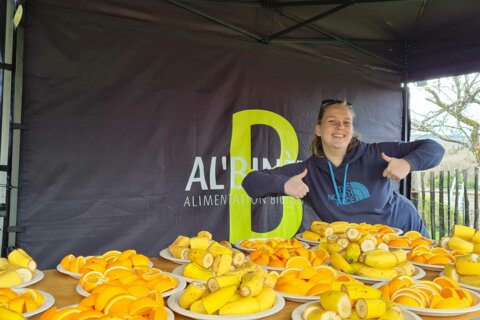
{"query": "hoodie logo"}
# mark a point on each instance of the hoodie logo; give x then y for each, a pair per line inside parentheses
(355, 193)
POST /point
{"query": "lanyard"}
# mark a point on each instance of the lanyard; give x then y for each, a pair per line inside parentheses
(344, 202)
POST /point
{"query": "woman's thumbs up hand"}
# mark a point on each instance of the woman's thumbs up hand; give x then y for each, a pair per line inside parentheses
(396, 169)
(295, 186)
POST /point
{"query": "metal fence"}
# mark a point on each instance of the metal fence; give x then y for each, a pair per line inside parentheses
(445, 198)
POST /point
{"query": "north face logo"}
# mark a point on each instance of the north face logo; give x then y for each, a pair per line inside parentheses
(355, 192)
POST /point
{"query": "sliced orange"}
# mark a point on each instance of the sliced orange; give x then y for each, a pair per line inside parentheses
(8, 292)
(91, 279)
(385, 289)
(439, 250)
(419, 249)
(89, 315)
(449, 292)
(105, 296)
(77, 264)
(449, 303)
(408, 300)
(445, 282)
(119, 305)
(413, 234)
(35, 295)
(67, 313)
(66, 261)
(307, 273)
(399, 243)
(297, 262)
(290, 273)
(143, 306)
(441, 259)
(319, 288)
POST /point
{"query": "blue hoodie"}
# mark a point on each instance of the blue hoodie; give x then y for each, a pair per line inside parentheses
(369, 198)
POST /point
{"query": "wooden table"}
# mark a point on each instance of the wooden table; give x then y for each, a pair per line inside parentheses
(62, 287)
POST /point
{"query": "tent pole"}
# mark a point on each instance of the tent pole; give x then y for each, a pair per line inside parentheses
(406, 184)
(16, 132)
(5, 122)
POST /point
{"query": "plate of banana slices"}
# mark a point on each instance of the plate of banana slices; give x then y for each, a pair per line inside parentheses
(173, 304)
(301, 312)
(419, 274)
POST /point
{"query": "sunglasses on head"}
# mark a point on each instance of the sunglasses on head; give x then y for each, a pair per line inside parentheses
(329, 102)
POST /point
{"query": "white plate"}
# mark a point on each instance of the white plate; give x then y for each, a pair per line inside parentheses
(78, 275)
(297, 298)
(431, 267)
(178, 271)
(239, 246)
(299, 237)
(463, 285)
(181, 284)
(48, 301)
(75, 275)
(417, 276)
(173, 304)
(37, 276)
(298, 311)
(167, 255)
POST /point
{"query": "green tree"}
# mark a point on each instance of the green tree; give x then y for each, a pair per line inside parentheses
(456, 102)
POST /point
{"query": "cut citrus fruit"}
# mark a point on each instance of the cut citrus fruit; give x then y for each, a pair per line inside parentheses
(66, 261)
(142, 306)
(105, 296)
(298, 262)
(445, 282)
(119, 305)
(413, 234)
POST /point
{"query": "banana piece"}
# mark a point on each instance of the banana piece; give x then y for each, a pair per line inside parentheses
(201, 257)
(356, 292)
(353, 251)
(339, 226)
(339, 263)
(405, 268)
(378, 259)
(323, 230)
(456, 243)
(371, 272)
(400, 254)
(370, 308)
(198, 307)
(222, 281)
(20, 258)
(382, 246)
(333, 247)
(367, 243)
(343, 242)
(443, 243)
(463, 232)
(226, 243)
(216, 248)
(24, 273)
(353, 234)
(476, 237)
(215, 300)
(181, 241)
(252, 284)
(245, 305)
(265, 299)
(6, 313)
(333, 238)
(4, 264)
(179, 252)
(336, 301)
(222, 264)
(194, 291)
(244, 268)
(470, 280)
(199, 243)
(205, 233)
(320, 314)
(9, 278)
(467, 266)
(310, 235)
(270, 279)
(238, 258)
(451, 272)
(194, 271)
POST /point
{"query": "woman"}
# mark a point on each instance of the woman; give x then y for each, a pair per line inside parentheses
(349, 180)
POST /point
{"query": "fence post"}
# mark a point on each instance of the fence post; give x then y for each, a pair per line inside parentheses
(449, 215)
(422, 182)
(466, 207)
(441, 211)
(432, 204)
(456, 219)
(475, 199)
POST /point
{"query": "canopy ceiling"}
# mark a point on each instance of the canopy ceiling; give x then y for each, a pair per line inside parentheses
(419, 39)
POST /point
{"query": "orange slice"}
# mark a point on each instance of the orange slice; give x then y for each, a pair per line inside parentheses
(105, 296)
(142, 306)
(297, 262)
(68, 313)
(445, 282)
(413, 234)
(35, 295)
(89, 315)
(290, 273)
(119, 305)
(66, 261)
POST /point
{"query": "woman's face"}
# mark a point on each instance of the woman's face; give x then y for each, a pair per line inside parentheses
(336, 127)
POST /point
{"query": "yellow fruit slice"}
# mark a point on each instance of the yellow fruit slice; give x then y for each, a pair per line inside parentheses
(298, 262)
(91, 279)
(35, 295)
(105, 296)
(77, 264)
(143, 306)
(119, 305)
(89, 315)
(445, 282)
(66, 261)
(413, 234)
(68, 313)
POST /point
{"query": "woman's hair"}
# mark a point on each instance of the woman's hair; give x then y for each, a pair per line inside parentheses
(316, 146)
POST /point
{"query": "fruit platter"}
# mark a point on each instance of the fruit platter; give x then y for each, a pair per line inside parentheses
(19, 270)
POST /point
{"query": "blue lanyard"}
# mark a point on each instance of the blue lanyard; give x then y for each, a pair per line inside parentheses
(344, 202)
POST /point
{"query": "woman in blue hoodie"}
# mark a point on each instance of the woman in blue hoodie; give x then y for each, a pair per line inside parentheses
(346, 179)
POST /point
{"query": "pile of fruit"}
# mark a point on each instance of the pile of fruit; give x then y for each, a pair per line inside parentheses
(465, 269)
(311, 281)
(288, 254)
(463, 239)
(207, 257)
(246, 290)
(114, 302)
(80, 264)
(182, 245)
(142, 278)
(320, 230)
(409, 240)
(435, 256)
(27, 301)
(353, 301)
(440, 293)
(17, 268)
